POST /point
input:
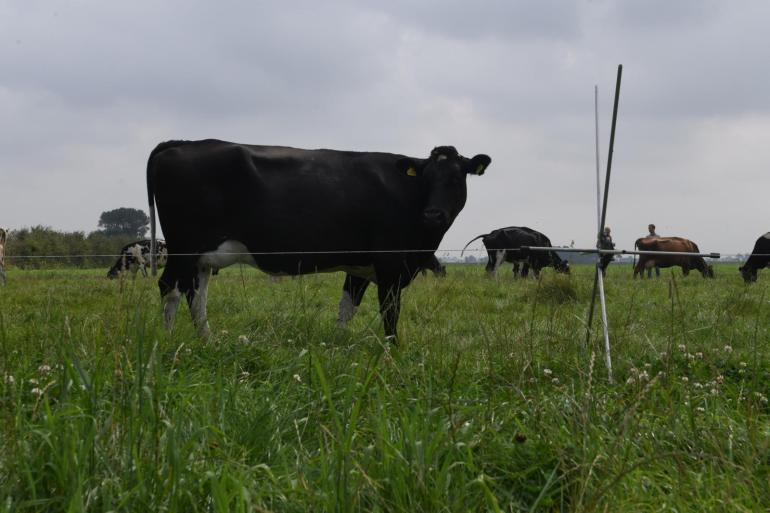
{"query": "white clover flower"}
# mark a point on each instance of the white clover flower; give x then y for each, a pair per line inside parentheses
(743, 364)
(555, 381)
(630, 380)
(297, 378)
(32, 381)
(224, 332)
(302, 353)
(547, 372)
(699, 355)
(36, 391)
(634, 370)
(728, 349)
(685, 379)
(648, 366)
(700, 409)
(243, 339)
(697, 385)
(682, 347)
(720, 379)
(763, 400)
(9, 379)
(714, 391)
(44, 369)
(643, 376)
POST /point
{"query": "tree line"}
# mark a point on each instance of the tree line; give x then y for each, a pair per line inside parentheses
(42, 247)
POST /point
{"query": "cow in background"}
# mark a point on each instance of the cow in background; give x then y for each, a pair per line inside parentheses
(672, 244)
(759, 259)
(136, 257)
(503, 245)
(3, 237)
(377, 216)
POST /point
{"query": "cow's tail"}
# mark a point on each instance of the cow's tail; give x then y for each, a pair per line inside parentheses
(472, 240)
(151, 201)
(636, 247)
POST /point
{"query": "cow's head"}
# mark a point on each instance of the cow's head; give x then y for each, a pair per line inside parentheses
(708, 271)
(749, 273)
(561, 266)
(443, 175)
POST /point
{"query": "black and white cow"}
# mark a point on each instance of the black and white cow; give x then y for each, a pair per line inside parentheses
(759, 259)
(503, 246)
(3, 237)
(136, 257)
(290, 211)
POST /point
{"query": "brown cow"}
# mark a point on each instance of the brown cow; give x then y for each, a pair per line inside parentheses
(676, 244)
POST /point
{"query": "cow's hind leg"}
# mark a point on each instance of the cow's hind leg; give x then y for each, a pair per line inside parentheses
(170, 297)
(197, 299)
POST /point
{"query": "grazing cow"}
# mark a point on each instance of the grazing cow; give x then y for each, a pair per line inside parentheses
(290, 211)
(503, 246)
(676, 244)
(136, 257)
(760, 258)
(354, 288)
(3, 237)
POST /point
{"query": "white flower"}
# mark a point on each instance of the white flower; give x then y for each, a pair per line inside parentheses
(682, 347)
(547, 372)
(699, 355)
(297, 378)
(555, 381)
(728, 349)
(700, 409)
(225, 332)
(630, 380)
(714, 391)
(697, 385)
(302, 353)
(44, 369)
(9, 379)
(685, 379)
(243, 339)
(32, 381)
(36, 391)
(643, 376)
(743, 364)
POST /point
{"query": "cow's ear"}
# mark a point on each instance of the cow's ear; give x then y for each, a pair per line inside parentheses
(478, 164)
(409, 167)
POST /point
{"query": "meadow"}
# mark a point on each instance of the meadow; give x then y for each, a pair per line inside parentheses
(491, 402)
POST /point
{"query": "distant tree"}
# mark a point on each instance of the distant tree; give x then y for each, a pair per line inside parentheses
(124, 221)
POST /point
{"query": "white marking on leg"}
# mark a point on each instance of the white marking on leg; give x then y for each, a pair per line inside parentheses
(170, 306)
(347, 309)
(198, 306)
(499, 259)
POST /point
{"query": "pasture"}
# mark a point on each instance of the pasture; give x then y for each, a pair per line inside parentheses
(492, 402)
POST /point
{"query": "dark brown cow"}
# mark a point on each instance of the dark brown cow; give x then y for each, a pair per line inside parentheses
(675, 244)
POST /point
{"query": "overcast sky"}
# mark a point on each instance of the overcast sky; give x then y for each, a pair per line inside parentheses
(88, 88)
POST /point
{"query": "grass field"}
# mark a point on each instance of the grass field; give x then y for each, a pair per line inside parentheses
(492, 402)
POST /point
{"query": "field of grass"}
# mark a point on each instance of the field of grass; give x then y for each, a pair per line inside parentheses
(492, 401)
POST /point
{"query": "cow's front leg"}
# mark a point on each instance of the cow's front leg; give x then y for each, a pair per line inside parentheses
(352, 294)
(390, 305)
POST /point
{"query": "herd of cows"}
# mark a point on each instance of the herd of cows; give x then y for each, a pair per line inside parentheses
(379, 217)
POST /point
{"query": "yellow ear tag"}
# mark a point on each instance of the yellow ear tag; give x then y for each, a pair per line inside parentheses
(411, 172)
(480, 169)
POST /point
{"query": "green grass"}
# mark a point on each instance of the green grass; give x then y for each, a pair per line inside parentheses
(492, 402)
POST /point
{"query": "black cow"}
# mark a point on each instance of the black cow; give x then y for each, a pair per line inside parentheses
(354, 288)
(759, 259)
(136, 257)
(290, 211)
(503, 246)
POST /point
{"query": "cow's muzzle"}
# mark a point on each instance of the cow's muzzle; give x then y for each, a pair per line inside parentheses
(435, 218)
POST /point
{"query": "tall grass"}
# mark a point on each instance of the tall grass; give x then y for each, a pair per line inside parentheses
(492, 402)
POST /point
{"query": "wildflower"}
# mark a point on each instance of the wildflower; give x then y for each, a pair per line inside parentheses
(643, 376)
(32, 381)
(697, 385)
(685, 379)
(720, 379)
(714, 391)
(634, 370)
(302, 353)
(36, 391)
(690, 356)
(243, 339)
(682, 347)
(9, 379)
(225, 332)
(743, 364)
(297, 378)
(700, 409)
(763, 400)
(699, 355)
(630, 381)
(547, 372)
(555, 381)
(648, 366)
(728, 349)
(44, 369)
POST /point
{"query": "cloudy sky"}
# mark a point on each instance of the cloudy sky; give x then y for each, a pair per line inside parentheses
(88, 88)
